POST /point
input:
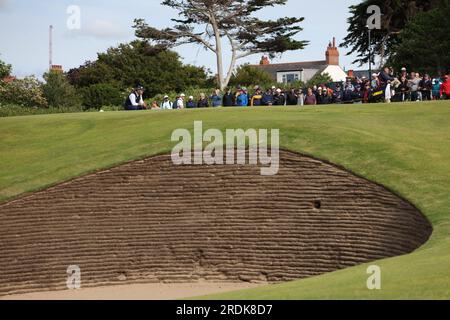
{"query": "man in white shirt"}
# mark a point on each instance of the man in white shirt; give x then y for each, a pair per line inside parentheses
(166, 104)
(135, 100)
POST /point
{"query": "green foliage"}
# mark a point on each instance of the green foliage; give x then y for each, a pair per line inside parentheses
(319, 79)
(103, 94)
(25, 92)
(246, 75)
(12, 110)
(138, 63)
(5, 70)
(395, 16)
(424, 44)
(208, 23)
(59, 92)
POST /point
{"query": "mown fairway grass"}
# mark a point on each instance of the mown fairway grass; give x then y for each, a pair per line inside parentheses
(405, 147)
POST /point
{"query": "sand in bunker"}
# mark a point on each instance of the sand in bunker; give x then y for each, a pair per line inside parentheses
(155, 291)
(150, 221)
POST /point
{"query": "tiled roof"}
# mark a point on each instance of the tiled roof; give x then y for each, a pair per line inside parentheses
(274, 68)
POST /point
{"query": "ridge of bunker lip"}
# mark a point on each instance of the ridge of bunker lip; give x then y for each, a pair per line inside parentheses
(264, 236)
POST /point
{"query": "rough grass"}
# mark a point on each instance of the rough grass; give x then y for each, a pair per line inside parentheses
(405, 147)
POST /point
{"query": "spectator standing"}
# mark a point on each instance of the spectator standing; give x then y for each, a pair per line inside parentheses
(267, 98)
(445, 88)
(357, 95)
(179, 102)
(278, 98)
(310, 99)
(403, 90)
(301, 98)
(419, 89)
(337, 95)
(413, 84)
(437, 82)
(256, 99)
(228, 98)
(242, 98)
(203, 101)
(319, 95)
(190, 104)
(216, 98)
(326, 97)
(166, 104)
(385, 80)
(292, 98)
(426, 87)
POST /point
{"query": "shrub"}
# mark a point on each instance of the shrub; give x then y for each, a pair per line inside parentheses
(246, 75)
(98, 95)
(25, 92)
(319, 79)
(58, 91)
(5, 69)
(11, 110)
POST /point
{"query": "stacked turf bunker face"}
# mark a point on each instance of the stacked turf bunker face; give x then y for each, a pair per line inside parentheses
(150, 221)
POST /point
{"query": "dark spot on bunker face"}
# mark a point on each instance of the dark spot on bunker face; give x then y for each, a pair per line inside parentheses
(152, 221)
(317, 204)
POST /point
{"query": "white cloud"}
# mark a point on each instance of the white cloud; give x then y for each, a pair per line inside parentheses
(100, 29)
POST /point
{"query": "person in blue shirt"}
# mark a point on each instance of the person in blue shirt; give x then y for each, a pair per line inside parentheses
(242, 98)
(267, 98)
(437, 82)
(216, 98)
(191, 104)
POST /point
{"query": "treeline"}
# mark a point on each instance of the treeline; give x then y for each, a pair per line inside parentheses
(104, 82)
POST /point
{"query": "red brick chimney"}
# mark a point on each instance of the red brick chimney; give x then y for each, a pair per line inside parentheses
(351, 74)
(332, 54)
(264, 61)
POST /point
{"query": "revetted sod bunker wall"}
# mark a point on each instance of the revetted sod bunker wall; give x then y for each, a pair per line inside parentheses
(151, 221)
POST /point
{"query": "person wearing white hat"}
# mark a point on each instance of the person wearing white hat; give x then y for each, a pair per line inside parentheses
(166, 104)
(190, 104)
(180, 101)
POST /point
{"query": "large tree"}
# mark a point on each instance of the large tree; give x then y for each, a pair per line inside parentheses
(138, 62)
(424, 44)
(395, 15)
(209, 23)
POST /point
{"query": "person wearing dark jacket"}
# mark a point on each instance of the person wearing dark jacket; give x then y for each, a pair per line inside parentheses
(135, 100)
(228, 99)
(190, 104)
(426, 86)
(278, 98)
(292, 98)
(203, 101)
(267, 98)
(337, 95)
(403, 90)
(385, 76)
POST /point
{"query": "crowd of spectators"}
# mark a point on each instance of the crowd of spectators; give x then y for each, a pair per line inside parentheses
(384, 86)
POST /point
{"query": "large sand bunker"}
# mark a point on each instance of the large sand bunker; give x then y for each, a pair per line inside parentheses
(150, 221)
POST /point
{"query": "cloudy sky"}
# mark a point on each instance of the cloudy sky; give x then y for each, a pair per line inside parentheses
(105, 23)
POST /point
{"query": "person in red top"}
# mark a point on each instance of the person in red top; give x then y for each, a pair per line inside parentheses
(445, 88)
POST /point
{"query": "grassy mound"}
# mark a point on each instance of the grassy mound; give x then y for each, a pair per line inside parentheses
(402, 146)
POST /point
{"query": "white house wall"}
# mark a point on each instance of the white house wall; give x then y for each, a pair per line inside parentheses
(336, 73)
